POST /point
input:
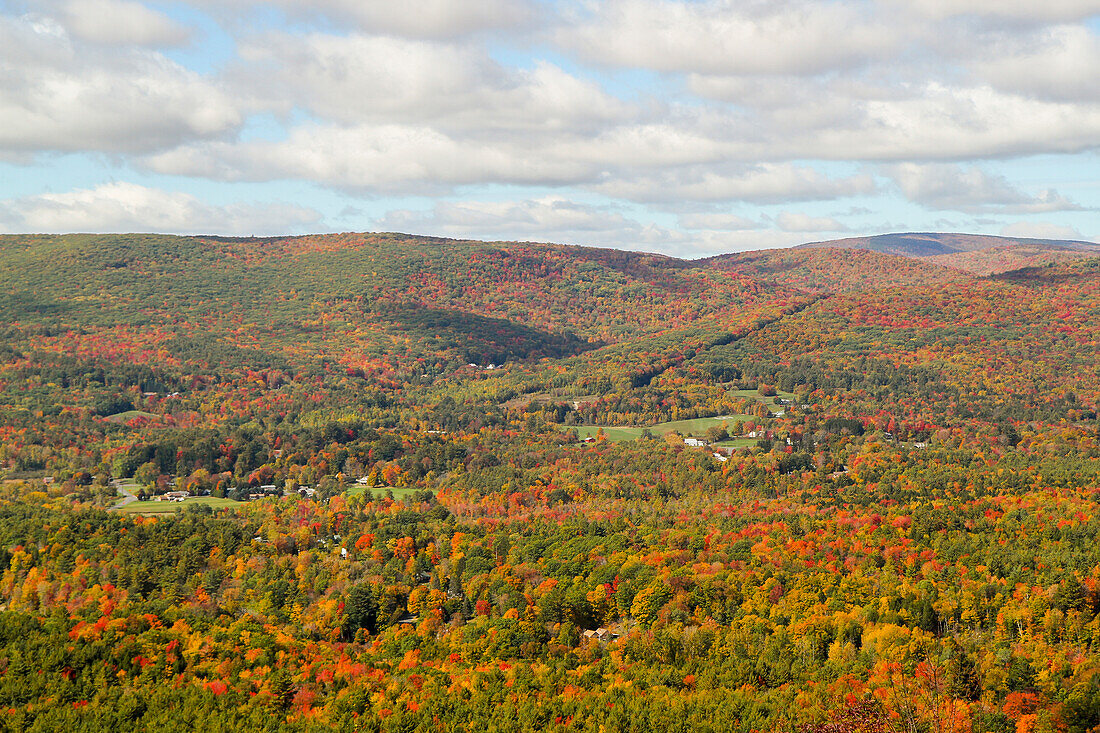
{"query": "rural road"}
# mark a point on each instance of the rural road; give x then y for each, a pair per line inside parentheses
(128, 497)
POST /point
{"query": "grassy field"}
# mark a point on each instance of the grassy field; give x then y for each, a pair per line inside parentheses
(769, 401)
(694, 428)
(697, 428)
(738, 443)
(122, 417)
(614, 435)
(399, 492)
(168, 507)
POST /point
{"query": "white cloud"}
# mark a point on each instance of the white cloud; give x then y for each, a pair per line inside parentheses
(1046, 201)
(701, 155)
(128, 207)
(1061, 64)
(512, 219)
(944, 186)
(762, 184)
(360, 78)
(941, 122)
(382, 158)
(799, 222)
(706, 243)
(928, 120)
(428, 19)
(57, 95)
(1041, 230)
(650, 163)
(120, 22)
(678, 140)
(736, 101)
(718, 222)
(1048, 11)
(726, 37)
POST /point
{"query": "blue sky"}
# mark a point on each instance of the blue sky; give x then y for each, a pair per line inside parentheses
(685, 127)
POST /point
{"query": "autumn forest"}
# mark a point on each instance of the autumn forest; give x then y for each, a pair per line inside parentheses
(375, 482)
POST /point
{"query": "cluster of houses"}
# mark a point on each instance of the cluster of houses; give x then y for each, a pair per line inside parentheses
(262, 492)
(267, 490)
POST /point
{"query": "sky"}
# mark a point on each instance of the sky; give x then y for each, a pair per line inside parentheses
(687, 127)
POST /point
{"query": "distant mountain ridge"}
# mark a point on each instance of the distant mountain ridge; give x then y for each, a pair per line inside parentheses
(930, 244)
(980, 254)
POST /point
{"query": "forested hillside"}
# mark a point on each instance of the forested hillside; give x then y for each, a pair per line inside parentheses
(836, 270)
(426, 484)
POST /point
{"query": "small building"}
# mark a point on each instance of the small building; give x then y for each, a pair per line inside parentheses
(721, 457)
(600, 634)
(694, 442)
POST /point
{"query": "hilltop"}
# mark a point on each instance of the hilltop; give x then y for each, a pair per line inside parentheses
(977, 253)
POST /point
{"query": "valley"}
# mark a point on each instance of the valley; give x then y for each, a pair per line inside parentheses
(853, 486)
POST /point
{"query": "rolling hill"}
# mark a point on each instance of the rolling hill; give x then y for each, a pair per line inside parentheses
(976, 253)
(928, 244)
(835, 269)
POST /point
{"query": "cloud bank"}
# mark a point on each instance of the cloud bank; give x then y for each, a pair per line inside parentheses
(532, 118)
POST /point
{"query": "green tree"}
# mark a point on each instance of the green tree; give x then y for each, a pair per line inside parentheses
(147, 473)
(360, 611)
